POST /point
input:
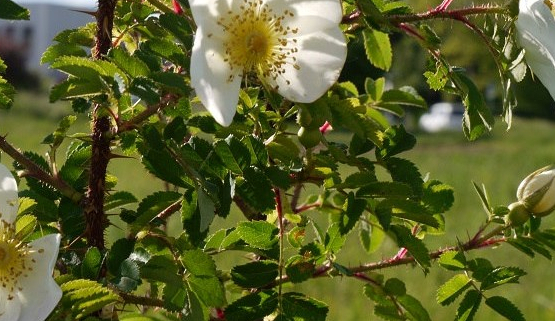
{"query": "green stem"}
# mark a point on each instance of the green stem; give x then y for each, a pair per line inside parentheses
(455, 14)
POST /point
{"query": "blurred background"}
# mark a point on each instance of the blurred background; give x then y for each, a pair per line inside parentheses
(499, 160)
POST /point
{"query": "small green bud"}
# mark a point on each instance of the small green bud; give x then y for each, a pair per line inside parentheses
(309, 137)
(518, 215)
(537, 192)
(304, 118)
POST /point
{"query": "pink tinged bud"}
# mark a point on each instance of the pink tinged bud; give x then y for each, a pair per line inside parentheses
(537, 191)
(177, 7)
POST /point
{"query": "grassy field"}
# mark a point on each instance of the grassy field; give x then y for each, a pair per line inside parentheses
(499, 161)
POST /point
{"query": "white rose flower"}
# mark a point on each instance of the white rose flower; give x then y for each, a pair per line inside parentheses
(27, 290)
(535, 29)
(294, 46)
(537, 191)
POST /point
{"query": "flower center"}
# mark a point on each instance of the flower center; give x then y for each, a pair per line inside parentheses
(13, 259)
(256, 40)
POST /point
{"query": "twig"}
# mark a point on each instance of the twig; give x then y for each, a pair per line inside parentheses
(35, 171)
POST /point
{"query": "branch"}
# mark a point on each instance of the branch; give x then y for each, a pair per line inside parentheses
(326, 269)
(93, 204)
(438, 13)
(134, 122)
(35, 171)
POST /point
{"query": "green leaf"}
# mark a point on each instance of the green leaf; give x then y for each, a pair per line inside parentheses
(90, 267)
(172, 82)
(298, 269)
(388, 312)
(282, 149)
(57, 137)
(25, 225)
(334, 239)
(500, 276)
(128, 277)
(374, 88)
(521, 246)
(350, 216)
(406, 209)
(120, 251)
(255, 274)
(396, 140)
(159, 161)
(452, 260)
(86, 297)
(198, 263)
(233, 154)
(161, 268)
(175, 297)
(209, 290)
(252, 306)
(118, 199)
(85, 68)
(414, 245)
(179, 26)
(298, 307)
(61, 49)
(255, 189)
(378, 48)
(257, 149)
(403, 96)
(438, 197)
(385, 190)
(478, 118)
(395, 287)
(371, 237)
(469, 305)
(7, 91)
(450, 290)
(76, 88)
(438, 77)
(12, 11)
(402, 170)
(131, 65)
(414, 310)
(505, 308)
(345, 115)
(258, 234)
(151, 206)
(167, 49)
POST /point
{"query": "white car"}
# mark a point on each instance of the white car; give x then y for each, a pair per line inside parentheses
(442, 116)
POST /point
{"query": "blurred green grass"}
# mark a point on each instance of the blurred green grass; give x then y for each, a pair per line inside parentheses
(499, 161)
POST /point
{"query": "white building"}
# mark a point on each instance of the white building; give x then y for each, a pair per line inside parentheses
(48, 18)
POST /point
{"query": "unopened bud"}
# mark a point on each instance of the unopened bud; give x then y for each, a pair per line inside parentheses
(537, 192)
(518, 214)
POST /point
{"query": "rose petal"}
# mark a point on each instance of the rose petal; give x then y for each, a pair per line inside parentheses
(40, 294)
(312, 15)
(535, 25)
(216, 85)
(9, 309)
(8, 195)
(320, 57)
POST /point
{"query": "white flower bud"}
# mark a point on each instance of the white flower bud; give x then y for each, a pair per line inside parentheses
(537, 191)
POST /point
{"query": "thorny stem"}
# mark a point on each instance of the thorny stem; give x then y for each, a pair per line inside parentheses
(35, 171)
(455, 14)
(93, 204)
(134, 122)
(279, 210)
(473, 244)
(439, 12)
